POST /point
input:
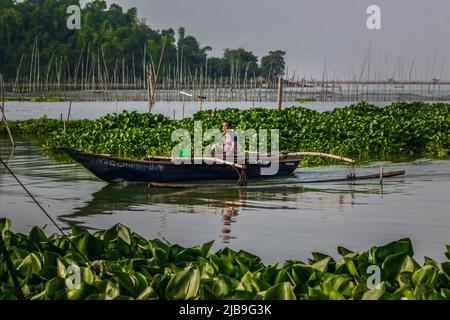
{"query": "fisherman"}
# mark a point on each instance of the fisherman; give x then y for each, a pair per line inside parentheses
(229, 142)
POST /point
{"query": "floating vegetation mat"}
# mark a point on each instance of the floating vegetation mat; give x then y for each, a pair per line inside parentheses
(120, 264)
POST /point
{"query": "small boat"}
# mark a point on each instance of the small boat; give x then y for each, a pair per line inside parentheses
(163, 169)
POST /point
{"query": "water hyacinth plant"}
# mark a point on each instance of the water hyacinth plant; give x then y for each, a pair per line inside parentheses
(119, 264)
(361, 131)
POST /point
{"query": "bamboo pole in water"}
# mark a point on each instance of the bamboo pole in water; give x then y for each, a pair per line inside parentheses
(94, 65)
(78, 66)
(99, 71)
(59, 75)
(150, 88)
(134, 71)
(17, 75)
(381, 174)
(37, 86)
(106, 70)
(280, 93)
(68, 79)
(31, 68)
(161, 58)
(144, 57)
(123, 72)
(86, 68)
(2, 107)
(66, 123)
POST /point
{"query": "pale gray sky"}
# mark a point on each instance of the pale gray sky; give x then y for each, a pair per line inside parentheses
(312, 31)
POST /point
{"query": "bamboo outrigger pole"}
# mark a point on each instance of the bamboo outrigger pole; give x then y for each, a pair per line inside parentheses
(351, 169)
(287, 184)
(323, 155)
(284, 154)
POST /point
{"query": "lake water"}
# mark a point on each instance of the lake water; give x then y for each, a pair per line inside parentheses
(287, 218)
(93, 110)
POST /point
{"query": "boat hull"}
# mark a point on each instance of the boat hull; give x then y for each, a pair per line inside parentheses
(112, 169)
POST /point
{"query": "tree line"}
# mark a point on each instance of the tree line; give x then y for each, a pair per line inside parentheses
(112, 45)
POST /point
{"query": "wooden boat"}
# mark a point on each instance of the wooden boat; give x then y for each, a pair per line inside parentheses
(163, 169)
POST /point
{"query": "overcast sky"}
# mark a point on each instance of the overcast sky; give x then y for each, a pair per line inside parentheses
(313, 32)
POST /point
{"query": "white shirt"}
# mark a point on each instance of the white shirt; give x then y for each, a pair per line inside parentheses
(228, 138)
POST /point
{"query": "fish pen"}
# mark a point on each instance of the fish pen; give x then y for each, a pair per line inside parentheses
(253, 91)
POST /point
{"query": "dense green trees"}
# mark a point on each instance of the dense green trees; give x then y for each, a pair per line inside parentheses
(112, 45)
(240, 61)
(272, 65)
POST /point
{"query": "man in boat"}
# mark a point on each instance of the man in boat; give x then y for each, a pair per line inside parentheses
(229, 142)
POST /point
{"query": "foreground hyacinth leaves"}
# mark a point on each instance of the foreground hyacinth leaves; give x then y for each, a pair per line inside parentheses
(123, 265)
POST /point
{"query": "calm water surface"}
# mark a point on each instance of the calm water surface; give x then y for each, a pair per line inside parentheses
(93, 110)
(286, 218)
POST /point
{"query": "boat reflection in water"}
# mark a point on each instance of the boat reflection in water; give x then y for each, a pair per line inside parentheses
(227, 219)
(226, 203)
